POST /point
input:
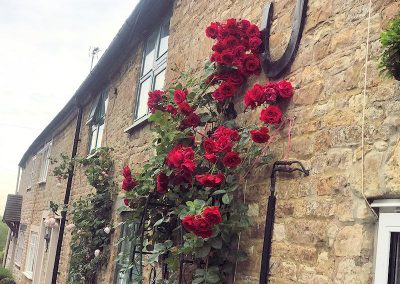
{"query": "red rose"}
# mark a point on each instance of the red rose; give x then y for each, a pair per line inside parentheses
(212, 215)
(209, 145)
(230, 41)
(216, 57)
(227, 56)
(271, 92)
(189, 165)
(171, 109)
(185, 108)
(254, 43)
(162, 183)
(232, 159)
(218, 95)
(212, 30)
(285, 89)
(245, 24)
(129, 183)
(202, 227)
(127, 202)
(192, 120)
(231, 24)
(239, 51)
(208, 180)
(188, 222)
(271, 115)
(181, 176)
(218, 47)
(255, 96)
(234, 77)
(212, 158)
(179, 96)
(225, 131)
(223, 144)
(260, 136)
(155, 99)
(251, 64)
(175, 157)
(253, 31)
(227, 89)
(126, 172)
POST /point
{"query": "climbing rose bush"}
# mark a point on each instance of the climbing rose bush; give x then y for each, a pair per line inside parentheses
(187, 197)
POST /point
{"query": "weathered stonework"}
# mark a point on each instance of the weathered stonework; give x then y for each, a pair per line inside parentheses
(324, 230)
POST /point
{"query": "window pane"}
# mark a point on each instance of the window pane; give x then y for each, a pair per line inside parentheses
(394, 259)
(159, 81)
(149, 53)
(94, 138)
(100, 136)
(164, 39)
(145, 87)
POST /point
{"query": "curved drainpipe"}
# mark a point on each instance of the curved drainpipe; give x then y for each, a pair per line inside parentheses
(67, 196)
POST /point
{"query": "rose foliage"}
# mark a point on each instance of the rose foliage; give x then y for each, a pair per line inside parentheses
(202, 158)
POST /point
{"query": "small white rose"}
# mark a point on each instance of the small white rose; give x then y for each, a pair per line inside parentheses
(96, 252)
(107, 230)
(46, 222)
(52, 222)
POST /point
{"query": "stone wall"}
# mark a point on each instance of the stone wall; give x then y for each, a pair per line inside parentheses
(324, 231)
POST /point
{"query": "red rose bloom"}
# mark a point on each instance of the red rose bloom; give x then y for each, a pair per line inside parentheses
(188, 222)
(271, 115)
(225, 131)
(155, 99)
(230, 41)
(212, 158)
(212, 215)
(208, 180)
(181, 157)
(223, 144)
(285, 89)
(171, 109)
(127, 202)
(209, 145)
(251, 64)
(179, 96)
(185, 108)
(253, 31)
(254, 43)
(227, 90)
(216, 57)
(129, 183)
(271, 92)
(192, 120)
(245, 24)
(255, 96)
(162, 183)
(260, 136)
(231, 24)
(218, 95)
(232, 159)
(227, 56)
(218, 47)
(126, 172)
(239, 51)
(202, 227)
(212, 30)
(233, 77)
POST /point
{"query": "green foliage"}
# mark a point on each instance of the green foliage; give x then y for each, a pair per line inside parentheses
(7, 281)
(5, 273)
(91, 214)
(390, 58)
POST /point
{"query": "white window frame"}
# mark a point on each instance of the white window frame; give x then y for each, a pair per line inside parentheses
(31, 256)
(389, 221)
(97, 123)
(32, 173)
(19, 248)
(45, 161)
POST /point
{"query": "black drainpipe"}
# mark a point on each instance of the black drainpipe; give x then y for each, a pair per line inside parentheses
(67, 196)
(279, 166)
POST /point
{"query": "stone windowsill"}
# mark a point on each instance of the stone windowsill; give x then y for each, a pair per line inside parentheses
(137, 124)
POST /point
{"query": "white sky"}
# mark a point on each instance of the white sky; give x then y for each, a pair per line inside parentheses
(44, 57)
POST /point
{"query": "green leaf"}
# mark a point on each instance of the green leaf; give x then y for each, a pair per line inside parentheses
(227, 198)
(203, 251)
(219, 191)
(216, 243)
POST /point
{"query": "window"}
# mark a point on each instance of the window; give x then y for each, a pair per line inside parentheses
(32, 173)
(20, 247)
(387, 266)
(126, 271)
(152, 74)
(45, 160)
(96, 121)
(31, 256)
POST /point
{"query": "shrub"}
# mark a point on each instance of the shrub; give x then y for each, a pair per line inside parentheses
(7, 281)
(390, 58)
(5, 273)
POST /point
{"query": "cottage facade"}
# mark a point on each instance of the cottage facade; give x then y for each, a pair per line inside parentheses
(346, 131)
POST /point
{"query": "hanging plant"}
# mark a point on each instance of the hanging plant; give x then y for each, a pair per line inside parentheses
(186, 199)
(91, 216)
(390, 58)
